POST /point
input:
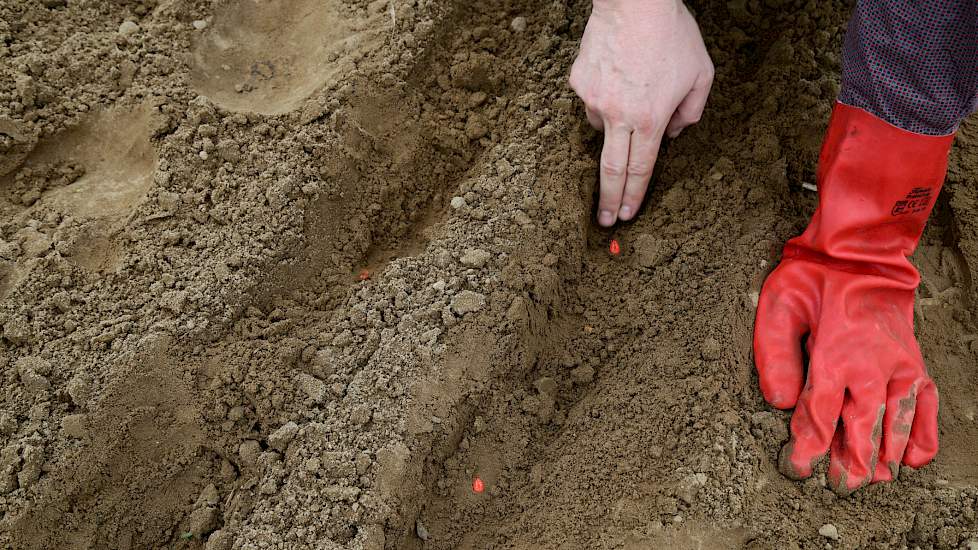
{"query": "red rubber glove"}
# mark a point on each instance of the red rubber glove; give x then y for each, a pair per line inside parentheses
(847, 285)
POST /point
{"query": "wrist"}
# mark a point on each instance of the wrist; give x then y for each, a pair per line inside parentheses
(637, 7)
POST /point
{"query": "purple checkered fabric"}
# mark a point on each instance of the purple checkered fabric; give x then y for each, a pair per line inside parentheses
(913, 63)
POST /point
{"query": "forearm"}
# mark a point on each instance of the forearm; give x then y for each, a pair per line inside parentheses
(912, 64)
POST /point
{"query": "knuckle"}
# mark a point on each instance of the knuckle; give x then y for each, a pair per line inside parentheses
(575, 83)
(591, 102)
(575, 71)
(710, 71)
(644, 123)
(611, 111)
(611, 168)
(641, 169)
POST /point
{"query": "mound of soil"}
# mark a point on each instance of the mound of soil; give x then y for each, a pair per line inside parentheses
(296, 274)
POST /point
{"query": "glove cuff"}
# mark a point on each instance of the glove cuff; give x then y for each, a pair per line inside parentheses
(877, 185)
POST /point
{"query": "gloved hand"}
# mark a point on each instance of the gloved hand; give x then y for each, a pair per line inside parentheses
(642, 71)
(846, 288)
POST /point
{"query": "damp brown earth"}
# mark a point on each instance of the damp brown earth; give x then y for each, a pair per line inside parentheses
(295, 274)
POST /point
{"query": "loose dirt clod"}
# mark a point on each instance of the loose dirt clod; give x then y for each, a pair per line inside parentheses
(280, 438)
(468, 301)
(203, 520)
(75, 425)
(32, 370)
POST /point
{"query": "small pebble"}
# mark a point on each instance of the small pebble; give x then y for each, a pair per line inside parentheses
(421, 531)
(829, 531)
(200, 24)
(518, 24)
(458, 202)
(475, 257)
(128, 27)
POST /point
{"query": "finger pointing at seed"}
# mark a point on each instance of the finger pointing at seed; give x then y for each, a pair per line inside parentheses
(614, 162)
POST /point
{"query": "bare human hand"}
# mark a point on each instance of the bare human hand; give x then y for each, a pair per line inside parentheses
(642, 71)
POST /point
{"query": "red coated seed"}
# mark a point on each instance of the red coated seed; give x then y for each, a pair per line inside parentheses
(614, 247)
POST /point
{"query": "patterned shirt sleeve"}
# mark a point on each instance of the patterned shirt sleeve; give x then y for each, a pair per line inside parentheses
(913, 63)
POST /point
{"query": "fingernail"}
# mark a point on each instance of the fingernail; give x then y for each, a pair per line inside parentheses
(606, 217)
(625, 213)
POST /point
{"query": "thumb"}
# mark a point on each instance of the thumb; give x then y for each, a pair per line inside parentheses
(779, 327)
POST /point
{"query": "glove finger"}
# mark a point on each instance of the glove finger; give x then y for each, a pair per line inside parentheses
(901, 402)
(812, 426)
(779, 326)
(922, 446)
(855, 449)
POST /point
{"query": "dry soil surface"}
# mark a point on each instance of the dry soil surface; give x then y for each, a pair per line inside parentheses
(294, 273)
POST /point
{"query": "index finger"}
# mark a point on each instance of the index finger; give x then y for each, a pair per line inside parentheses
(614, 165)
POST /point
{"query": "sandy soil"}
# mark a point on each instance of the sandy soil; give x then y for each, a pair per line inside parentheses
(294, 273)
